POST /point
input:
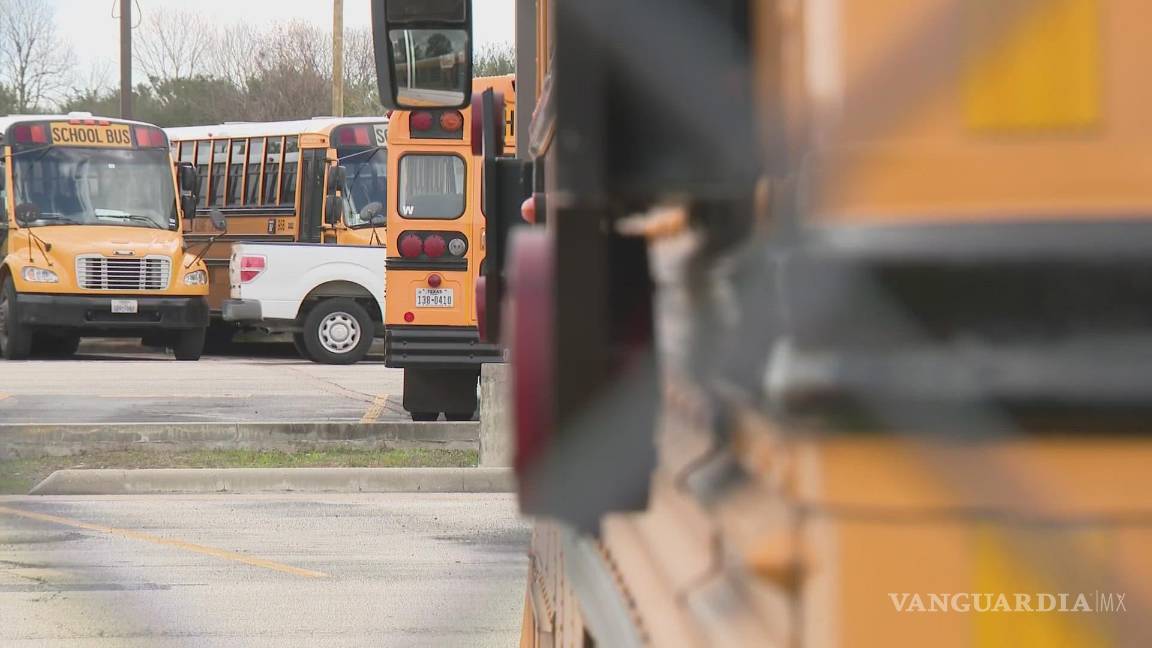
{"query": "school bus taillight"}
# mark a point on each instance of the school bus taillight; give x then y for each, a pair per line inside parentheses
(30, 134)
(434, 246)
(252, 266)
(411, 246)
(451, 121)
(420, 121)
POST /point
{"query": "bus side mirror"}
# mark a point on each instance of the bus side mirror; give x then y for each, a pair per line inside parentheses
(189, 178)
(423, 52)
(218, 220)
(27, 213)
(188, 205)
(333, 209)
(337, 178)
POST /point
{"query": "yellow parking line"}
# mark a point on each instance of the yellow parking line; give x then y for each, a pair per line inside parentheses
(4, 396)
(375, 409)
(223, 554)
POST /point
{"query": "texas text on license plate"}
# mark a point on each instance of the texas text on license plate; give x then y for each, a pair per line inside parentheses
(125, 306)
(435, 297)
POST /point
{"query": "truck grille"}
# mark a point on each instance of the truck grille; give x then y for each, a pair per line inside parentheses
(95, 272)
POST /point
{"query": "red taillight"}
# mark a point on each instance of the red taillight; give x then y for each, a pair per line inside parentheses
(420, 121)
(411, 246)
(30, 134)
(251, 267)
(528, 209)
(147, 137)
(434, 246)
(451, 121)
(434, 281)
(355, 136)
(409, 317)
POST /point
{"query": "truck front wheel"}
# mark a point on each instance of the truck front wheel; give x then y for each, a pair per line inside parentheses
(189, 344)
(15, 337)
(338, 331)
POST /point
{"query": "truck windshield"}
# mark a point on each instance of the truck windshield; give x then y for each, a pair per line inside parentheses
(367, 171)
(92, 186)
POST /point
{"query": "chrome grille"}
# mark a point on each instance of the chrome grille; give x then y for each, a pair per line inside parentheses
(95, 272)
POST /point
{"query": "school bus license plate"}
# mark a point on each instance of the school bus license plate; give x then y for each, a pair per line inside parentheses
(129, 306)
(435, 298)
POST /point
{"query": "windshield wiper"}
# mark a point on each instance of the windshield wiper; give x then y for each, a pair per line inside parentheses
(135, 218)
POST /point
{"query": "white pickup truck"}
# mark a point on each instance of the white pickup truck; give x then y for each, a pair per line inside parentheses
(329, 297)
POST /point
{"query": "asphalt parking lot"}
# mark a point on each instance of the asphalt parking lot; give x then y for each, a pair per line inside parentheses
(251, 571)
(126, 383)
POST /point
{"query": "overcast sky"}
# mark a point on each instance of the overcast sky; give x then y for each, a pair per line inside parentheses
(88, 24)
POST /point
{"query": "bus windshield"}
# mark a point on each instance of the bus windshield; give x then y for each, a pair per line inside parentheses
(91, 186)
(367, 172)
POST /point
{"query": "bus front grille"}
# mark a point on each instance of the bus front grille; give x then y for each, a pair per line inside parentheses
(95, 272)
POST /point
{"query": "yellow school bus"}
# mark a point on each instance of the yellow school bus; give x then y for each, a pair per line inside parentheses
(272, 181)
(900, 274)
(90, 237)
(436, 242)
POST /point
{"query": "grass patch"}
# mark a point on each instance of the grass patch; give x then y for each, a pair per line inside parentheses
(18, 476)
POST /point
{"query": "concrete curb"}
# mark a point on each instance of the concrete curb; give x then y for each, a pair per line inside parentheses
(31, 441)
(276, 480)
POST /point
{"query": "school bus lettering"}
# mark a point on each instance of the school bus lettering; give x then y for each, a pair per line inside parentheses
(115, 136)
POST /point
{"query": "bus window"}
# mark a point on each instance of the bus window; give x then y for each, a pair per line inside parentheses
(203, 157)
(219, 167)
(291, 164)
(431, 186)
(255, 164)
(272, 170)
(236, 172)
(367, 181)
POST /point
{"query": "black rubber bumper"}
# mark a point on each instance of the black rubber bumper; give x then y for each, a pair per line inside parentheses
(241, 310)
(95, 313)
(437, 347)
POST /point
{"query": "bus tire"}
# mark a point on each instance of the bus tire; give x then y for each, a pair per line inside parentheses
(56, 346)
(15, 337)
(338, 331)
(189, 344)
(459, 416)
(301, 348)
(425, 417)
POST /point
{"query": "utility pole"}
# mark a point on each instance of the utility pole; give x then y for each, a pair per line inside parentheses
(126, 59)
(338, 58)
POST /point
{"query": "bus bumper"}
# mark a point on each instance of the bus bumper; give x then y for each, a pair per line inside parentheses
(94, 314)
(437, 347)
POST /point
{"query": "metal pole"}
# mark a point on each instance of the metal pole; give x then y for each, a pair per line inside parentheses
(126, 59)
(338, 58)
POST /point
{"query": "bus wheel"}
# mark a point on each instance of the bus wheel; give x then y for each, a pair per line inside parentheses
(425, 417)
(338, 331)
(452, 391)
(301, 348)
(189, 344)
(15, 338)
(459, 416)
(56, 346)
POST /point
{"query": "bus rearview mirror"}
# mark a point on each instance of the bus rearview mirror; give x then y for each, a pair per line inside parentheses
(337, 178)
(333, 209)
(27, 213)
(423, 52)
(189, 178)
(219, 221)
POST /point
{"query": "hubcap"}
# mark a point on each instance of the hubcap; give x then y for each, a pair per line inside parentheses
(339, 333)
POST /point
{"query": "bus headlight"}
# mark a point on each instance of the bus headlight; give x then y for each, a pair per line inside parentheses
(197, 278)
(39, 275)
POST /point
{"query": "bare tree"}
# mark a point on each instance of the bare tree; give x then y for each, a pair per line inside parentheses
(34, 63)
(494, 59)
(361, 96)
(173, 44)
